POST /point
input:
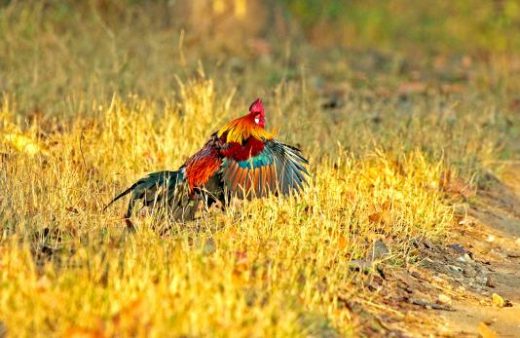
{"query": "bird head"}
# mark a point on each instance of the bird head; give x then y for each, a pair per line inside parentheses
(251, 124)
(257, 113)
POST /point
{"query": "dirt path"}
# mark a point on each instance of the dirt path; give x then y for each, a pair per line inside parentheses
(465, 286)
(491, 233)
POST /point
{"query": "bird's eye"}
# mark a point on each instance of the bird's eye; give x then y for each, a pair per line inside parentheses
(257, 119)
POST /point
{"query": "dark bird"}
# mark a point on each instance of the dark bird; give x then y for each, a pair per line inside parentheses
(241, 159)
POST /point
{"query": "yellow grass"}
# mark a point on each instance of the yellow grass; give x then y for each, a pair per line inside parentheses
(71, 137)
(270, 267)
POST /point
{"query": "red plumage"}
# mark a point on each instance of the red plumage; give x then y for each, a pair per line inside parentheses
(252, 147)
(202, 166)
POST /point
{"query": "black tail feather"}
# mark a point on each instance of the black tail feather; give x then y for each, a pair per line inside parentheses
(148, 190)
(124, 193)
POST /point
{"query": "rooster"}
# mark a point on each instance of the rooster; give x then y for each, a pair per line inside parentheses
(242, 159)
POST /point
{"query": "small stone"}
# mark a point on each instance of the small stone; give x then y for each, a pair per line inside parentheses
(490, 238)
(417, 275)
(360, 265)
(457, 248)
(463, 222)
(469, 272)
(427, 244)
(464, 258)
(490, 321)
(455, 268)
(444, 299)
(490, 282)
(379, 250)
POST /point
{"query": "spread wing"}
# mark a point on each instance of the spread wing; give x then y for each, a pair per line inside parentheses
(279, 168)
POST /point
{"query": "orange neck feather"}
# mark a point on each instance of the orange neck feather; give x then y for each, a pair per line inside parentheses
(242, 128)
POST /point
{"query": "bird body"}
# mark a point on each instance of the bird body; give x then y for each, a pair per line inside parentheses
(200, 167)
(241, 159)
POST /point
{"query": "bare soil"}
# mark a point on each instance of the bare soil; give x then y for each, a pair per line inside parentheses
(494, 239)
(466, 286)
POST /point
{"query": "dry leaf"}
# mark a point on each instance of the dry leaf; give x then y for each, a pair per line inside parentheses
(383, 216)
(375, 217)
(498, 300)
(342, 242)
(485, 331)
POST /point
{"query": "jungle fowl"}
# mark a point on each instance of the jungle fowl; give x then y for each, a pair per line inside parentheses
(241, 160)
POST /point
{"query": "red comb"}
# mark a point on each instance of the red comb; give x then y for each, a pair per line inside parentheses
(256, 106)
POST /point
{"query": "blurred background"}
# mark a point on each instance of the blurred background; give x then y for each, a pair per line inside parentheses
(141, 47)
(407, 111)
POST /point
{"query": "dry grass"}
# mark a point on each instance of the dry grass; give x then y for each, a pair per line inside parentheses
(270, 267)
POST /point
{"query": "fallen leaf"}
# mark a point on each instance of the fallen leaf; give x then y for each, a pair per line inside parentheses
(342, 242)
(382, 216)
(498, 300)
(375, 217)
(485, 331)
